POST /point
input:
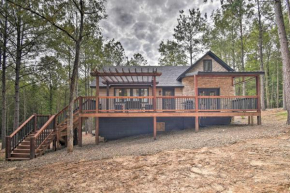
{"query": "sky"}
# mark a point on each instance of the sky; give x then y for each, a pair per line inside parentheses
(140, 25)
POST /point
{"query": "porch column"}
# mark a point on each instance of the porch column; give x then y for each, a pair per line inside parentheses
(154, 93)
(196, 103)
(196, 93)
(97, 94)
(258, 91)
(80, 134)
(97, 111)
(108, 93)
(154, 128)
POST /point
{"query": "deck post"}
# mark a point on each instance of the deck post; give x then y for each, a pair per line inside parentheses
(80, 104)
(35, 122)
(196, 124)
(97, 131)
(196, 93)
(32, 147)
(258, 91)
(108, 93)
(8, 147)
(97, 94)
(154, 127)
(196, 103)
(154, 93)
(80, 134)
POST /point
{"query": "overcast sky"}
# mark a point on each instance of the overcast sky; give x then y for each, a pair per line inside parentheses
(140, 25)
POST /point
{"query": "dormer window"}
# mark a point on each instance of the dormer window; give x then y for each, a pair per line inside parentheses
(207, 65)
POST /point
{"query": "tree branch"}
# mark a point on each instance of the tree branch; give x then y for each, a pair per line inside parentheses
(43, 17)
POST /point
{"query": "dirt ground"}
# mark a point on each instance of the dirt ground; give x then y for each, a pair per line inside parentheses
(260, 164)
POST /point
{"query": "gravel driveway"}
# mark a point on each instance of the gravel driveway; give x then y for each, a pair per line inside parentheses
(214, 136)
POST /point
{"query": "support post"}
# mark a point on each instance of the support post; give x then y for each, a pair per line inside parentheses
(32, 147)
(258, 93)
(35, 122)
(80, 104)
(54, 144)
(196, 93)
(154, 128)
(108, 93)
(249, 120)
(196, 124)
(97, 131)
(80, 134)
(154, 93)
(8, 147)
(259, 120)
(97, 94)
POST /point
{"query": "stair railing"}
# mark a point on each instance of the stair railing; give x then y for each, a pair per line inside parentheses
(24, 130)
(61, 116)
(39, 139)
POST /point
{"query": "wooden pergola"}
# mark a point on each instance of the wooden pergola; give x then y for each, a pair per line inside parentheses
(115, 77)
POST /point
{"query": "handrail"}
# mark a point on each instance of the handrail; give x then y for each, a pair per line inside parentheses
(66, 107)
(22, 125)
(44, 126)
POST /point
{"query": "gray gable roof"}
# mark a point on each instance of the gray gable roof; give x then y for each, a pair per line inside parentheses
(167, 79)
(171, 75)
(215, 57)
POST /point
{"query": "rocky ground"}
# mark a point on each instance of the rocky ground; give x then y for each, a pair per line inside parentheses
(236, 158)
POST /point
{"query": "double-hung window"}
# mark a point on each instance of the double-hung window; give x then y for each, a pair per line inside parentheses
(207, 65)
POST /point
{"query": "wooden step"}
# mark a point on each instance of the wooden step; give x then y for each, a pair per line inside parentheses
(25, 143)
(23, 147)
(20, 155)
(18, 158)
(21, 150)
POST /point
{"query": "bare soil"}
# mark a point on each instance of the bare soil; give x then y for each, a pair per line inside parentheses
(218, 159)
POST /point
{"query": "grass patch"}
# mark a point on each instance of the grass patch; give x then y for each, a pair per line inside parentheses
(282, 114)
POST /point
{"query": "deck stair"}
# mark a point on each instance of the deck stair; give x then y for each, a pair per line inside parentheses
(38, 134)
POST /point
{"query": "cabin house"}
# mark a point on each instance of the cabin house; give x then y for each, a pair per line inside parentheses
(210, 78)
(141, 100)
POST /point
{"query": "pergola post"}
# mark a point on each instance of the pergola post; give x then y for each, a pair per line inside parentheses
(258, 91)
(154, 93)
(196, 103)
(108, 93)
(97, 111)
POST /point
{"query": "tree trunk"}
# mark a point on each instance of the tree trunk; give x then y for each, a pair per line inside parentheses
(284, 53)
(277, 99)
(262, 78)
(17, 76)
(73, 84)
(242, 54)
(3, 131)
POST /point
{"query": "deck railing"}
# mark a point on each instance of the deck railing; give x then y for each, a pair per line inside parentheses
(168, 103)
(32, 124)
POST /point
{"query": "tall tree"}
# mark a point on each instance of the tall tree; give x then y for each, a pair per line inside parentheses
(76, 19)
(284, 53)
(114, 54)
(189, 30)
(172, 54)
(137, 60)
(4, 26)
(262, 78)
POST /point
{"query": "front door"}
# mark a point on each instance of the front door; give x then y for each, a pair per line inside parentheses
(168, 103)
(206, 103)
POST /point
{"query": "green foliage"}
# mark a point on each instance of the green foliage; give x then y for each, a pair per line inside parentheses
(189, 30)
(172, 54)
(137, 60)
